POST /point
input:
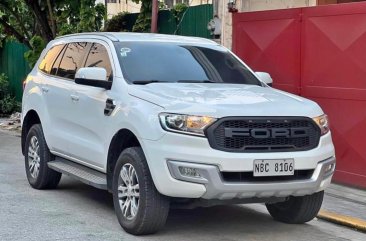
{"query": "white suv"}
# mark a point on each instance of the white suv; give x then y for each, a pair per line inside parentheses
(160, 120)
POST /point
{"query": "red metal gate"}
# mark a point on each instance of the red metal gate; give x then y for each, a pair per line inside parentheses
(319, 53)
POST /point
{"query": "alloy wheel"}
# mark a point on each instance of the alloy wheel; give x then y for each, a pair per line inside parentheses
(34, 159)
(128, 191)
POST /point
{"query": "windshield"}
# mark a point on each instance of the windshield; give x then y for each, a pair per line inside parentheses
(148, 62)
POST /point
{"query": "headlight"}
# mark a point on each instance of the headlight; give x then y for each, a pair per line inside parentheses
(323, 123)
(187, 124)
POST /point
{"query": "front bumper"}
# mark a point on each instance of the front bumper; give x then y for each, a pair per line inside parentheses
(216, 188)
(195, 151)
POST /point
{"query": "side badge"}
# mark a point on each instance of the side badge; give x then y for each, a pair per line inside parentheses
(109, 107)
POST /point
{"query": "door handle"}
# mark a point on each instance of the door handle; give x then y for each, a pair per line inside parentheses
(74, 97)
(45, 89)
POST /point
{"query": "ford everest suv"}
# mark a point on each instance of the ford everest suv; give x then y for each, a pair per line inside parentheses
(163, 121)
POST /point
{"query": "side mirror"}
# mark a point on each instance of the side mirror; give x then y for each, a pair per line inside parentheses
(265, 77)
(93, 76)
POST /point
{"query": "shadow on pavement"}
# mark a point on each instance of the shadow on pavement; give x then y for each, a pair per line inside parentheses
(218, 220)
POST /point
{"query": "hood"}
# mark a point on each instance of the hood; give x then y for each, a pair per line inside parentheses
(220, 100)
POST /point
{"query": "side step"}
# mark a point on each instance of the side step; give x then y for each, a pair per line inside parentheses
(84, 174)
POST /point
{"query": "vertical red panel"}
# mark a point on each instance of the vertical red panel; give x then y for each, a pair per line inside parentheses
(334, 75)
(320, 53)
(269, 41)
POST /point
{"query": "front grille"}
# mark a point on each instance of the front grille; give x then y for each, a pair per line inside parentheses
(263, 134)
(248, 176)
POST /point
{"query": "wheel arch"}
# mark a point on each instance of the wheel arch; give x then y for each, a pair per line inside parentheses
(30, 119)
(123, 139)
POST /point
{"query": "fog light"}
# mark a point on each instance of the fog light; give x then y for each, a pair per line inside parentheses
(329, 168)
(189, 172)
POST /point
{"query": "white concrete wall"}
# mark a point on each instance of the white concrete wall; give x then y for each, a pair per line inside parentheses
(259, 5)
(248, 6)
(122, 6)
(131, 7)
(99, 1)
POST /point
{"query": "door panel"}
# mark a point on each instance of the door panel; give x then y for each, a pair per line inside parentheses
(58, 105)
(58, 85)
(89, 121)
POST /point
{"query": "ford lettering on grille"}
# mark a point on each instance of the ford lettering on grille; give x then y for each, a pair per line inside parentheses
(267, 133)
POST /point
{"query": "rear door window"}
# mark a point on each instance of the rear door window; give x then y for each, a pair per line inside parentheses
(72, 60)
(57, 62)
(98, 57)
(47, 62)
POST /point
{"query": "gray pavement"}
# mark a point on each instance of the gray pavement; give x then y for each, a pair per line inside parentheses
(76, 211)
(346, 201)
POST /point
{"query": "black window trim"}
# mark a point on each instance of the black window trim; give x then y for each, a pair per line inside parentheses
(89, 41)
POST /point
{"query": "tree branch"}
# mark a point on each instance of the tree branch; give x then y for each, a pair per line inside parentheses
(41, 18)
(20, 22)
(51, 17)
(14, 32)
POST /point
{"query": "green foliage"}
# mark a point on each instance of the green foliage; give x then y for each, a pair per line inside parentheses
(67, 16)
(178, 11)
(15, 20)
(162, 5)
(8, 104)
(87, 16)
(101, 14)
(4, 85)
(29, 19)
(79, 16)
(38, 44)
(143, 22)
(34, 23)
(117, 23)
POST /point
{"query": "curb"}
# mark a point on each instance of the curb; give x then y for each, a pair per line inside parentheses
(344, 220)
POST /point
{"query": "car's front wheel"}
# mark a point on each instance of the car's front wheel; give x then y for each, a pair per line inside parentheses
(37, 154)
(297, 210)
(140, 208)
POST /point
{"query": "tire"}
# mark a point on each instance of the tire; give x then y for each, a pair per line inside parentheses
(36, 156)
(152, 207)
(297, 210)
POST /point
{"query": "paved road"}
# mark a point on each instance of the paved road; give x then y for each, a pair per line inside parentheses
(78, 212)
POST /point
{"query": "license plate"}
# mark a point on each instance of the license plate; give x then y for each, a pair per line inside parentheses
(275, 167)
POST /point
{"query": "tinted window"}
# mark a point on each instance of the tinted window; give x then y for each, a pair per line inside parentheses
(56, 63)
(172, 62)
(72, 60)
(98, 57)
(49, 58)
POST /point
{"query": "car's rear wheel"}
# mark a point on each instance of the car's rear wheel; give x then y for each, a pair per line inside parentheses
(140, 208)
(297, 210)
(37, 154)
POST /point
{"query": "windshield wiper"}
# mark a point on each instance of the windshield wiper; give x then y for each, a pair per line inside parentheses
(144, 82)
(196, 81)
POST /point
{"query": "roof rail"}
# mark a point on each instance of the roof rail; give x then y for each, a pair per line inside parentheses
(103, 34)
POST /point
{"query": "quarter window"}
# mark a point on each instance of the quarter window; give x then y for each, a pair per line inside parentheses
(49, 58)
(72, 60)
(98, 57)
(57, 62)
